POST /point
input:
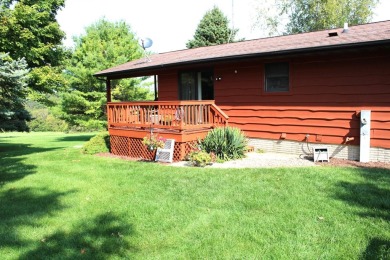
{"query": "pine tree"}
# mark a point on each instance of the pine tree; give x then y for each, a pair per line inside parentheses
(104, 45)
(13, 78)
(213, 29)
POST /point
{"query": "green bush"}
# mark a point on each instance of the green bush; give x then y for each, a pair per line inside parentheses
(200, 158)
(227, 143)
(93, 125)
(44, 119)
(48, 123)
(98, 144)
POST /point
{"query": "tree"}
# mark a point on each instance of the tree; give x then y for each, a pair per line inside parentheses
(13, 82)
(314, 15)
(44, 119)
(104, 45)
(213, 29)
(29, 30)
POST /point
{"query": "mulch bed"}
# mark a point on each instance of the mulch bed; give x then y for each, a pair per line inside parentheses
(348, 163)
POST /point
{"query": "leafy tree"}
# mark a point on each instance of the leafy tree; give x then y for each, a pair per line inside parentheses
(43, 118)
(29, 30)
(313, 15)
(104, 45)
(213, 29)
(13, 78)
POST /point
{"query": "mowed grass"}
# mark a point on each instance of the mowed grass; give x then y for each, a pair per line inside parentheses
(56, 203)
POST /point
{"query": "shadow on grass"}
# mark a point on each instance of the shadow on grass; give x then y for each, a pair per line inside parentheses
(14, 169)
(76, 138)
(377, 249)
(12, 166)
(372, 195)
(21, 209)
(24, 207)
(17, 149)
(103, 237)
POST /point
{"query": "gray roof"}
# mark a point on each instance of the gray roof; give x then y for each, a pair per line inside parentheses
(359, 35)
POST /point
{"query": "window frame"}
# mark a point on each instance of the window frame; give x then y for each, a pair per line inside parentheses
(264, 88)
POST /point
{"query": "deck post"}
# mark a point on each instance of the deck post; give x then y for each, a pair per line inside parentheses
(155, 88)
(108, 89)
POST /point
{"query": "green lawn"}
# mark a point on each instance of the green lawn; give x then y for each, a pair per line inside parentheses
(56, 203)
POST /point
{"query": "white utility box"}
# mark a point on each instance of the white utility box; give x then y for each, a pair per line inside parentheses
(365, 129)
(320, 153)
(165, 154)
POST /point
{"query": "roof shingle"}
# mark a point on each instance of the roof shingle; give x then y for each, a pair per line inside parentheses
(371, 33)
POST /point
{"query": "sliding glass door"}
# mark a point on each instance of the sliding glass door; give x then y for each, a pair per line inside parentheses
(196, 85)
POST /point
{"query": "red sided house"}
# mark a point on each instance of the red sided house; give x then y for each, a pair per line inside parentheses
(287, 94)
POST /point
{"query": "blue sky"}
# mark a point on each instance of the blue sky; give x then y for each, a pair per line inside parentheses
(169, 23)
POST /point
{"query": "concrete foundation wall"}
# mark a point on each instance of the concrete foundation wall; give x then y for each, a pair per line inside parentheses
(349, 152)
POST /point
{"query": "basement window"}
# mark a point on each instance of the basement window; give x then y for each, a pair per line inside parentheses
(277, 77)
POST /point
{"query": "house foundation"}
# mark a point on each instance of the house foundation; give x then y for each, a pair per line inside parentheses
(304, 149)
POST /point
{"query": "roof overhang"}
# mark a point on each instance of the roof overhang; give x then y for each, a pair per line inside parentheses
(155, 69)
(359, 37)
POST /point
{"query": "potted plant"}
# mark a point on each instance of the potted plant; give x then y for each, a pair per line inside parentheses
(153, 142)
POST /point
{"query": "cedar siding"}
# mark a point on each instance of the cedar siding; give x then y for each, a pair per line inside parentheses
(168, 86)
(327, 92)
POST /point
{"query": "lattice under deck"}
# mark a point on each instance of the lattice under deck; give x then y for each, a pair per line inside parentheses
(134, 148)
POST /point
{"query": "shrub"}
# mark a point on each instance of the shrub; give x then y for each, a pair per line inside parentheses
(100, 143)
(200, 158)
(47, 123)
(227, 143)
(43, 118)
(93, 124)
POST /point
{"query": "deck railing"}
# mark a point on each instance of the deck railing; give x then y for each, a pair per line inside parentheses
(178, 115)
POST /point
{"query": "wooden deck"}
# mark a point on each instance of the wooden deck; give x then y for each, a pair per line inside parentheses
(183, 121)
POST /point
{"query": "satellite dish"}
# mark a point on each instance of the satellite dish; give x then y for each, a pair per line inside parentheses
(146, 43)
